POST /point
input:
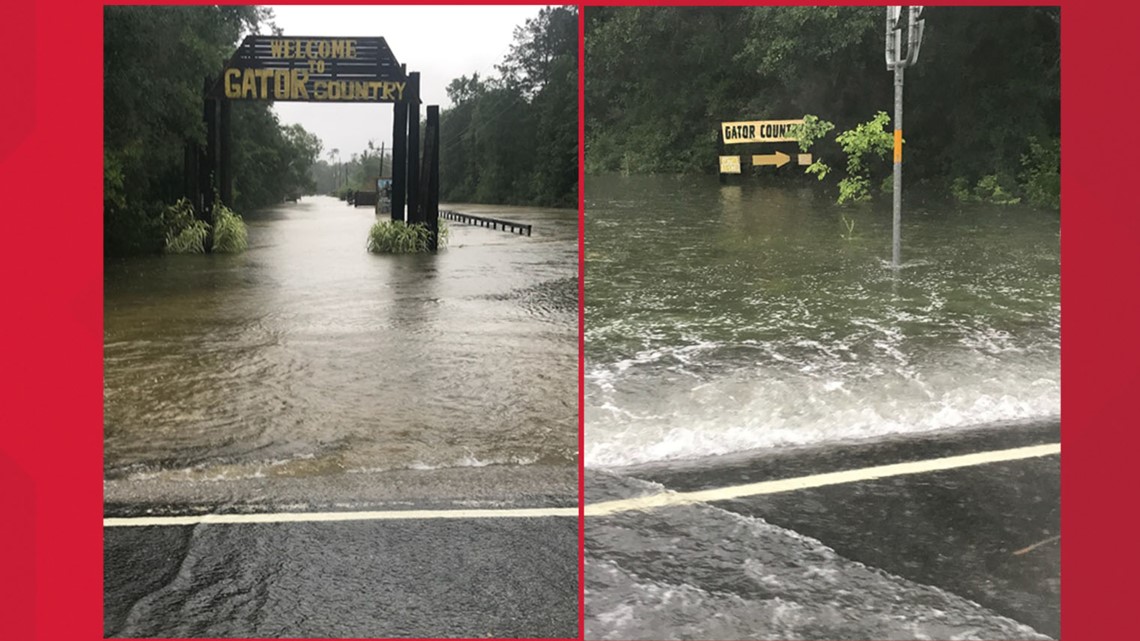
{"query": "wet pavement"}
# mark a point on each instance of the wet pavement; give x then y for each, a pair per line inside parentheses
(971, 552)
(502, 577)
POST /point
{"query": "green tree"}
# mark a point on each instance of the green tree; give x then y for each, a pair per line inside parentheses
(156, 63)
(513, 138)
(987, 88)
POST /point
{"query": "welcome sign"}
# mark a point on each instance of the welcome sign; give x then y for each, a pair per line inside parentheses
(313, 69)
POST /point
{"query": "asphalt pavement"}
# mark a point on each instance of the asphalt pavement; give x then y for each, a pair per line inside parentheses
(989, 533)
(432, 577)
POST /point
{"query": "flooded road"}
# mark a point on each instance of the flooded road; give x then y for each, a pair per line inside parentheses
(307, 377)
(740, 332)
(309, 358)
(724, 318)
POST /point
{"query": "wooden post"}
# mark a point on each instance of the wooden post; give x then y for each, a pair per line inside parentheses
(225, 164)
(190, 172)
(429, 192)
(720, 152)
(414, 213)
(433, 211)
(209, 164)
(399, 159)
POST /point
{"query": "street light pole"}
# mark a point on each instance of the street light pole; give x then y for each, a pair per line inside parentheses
(897, 61)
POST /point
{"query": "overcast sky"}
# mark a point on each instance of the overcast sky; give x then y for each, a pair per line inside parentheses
(440, 42)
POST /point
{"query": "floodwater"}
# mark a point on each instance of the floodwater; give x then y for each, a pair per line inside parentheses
(311, 363)
(736, 320)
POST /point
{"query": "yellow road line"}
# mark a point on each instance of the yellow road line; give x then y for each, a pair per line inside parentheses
(666, 499)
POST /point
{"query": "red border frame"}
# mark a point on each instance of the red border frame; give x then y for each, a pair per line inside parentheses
(50, 452)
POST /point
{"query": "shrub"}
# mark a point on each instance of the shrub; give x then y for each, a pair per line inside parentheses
(960, 189)
(185, 234)
(1041, 174)
(868, 139)
(444, 233)
(395, 237)
(993, 189)
(863, 144)
(230, 234)
(996, 190)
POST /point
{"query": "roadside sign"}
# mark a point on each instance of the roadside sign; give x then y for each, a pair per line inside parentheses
(737, 133)
(778, 159)
(730, 164)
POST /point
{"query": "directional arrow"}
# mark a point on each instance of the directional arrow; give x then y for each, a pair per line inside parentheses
(779, 159)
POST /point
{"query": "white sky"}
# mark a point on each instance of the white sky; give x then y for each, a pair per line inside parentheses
(440, 42)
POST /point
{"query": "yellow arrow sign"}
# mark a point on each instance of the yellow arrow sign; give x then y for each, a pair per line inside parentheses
(779, 159)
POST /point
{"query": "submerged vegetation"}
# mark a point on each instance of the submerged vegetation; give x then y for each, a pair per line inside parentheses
(863, 144)
(982, 105)
(230, 236)
(396, 237)
(185, 233)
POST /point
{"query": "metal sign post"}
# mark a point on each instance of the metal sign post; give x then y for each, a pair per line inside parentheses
(897, 60)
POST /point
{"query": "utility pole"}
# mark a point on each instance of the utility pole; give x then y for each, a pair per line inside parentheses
(900, 54)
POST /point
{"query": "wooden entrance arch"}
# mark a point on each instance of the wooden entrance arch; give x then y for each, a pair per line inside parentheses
(321, 69)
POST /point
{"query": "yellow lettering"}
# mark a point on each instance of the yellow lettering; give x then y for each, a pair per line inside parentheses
(351, 48)
(264, 75)
(319, 90)
(309, 49)
(297, 83)
(359, 90)
(337, 49)
(248, 84)
(281, 84)
(277, 48)
(230, 82)
(323, 49)
(400, 88)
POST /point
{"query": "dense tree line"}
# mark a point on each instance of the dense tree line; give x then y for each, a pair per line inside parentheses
(156, 62)
(982, 105)
(513, 138)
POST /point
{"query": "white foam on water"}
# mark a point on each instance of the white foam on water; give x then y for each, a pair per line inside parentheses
(808, 392)
(305, 464)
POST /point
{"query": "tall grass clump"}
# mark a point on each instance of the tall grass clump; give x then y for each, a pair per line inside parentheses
(395, 237)
(230, 235)
(185, 234)
(444, 234)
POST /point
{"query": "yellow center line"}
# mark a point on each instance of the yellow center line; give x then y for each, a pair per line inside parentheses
(668, 499)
